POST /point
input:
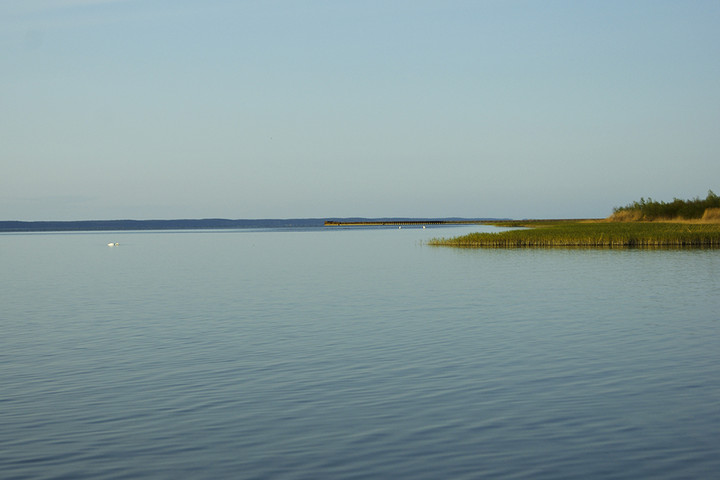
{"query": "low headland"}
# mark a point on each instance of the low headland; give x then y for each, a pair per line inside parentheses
(645, 224)
(401, 222)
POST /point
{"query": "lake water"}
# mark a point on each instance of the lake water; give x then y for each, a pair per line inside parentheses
(353, 353)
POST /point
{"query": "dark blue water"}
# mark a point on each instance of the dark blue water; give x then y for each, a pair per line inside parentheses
(353, 354)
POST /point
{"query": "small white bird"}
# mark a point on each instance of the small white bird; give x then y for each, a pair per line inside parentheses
(113, 244)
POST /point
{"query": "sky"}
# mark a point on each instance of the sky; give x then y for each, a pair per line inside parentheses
(147, 109)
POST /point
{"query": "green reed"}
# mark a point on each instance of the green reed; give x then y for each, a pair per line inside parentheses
(598, 234)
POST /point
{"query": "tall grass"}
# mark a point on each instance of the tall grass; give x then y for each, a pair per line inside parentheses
(607, 234)
(711, 214)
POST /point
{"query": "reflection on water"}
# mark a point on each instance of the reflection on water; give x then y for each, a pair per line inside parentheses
(354, 353)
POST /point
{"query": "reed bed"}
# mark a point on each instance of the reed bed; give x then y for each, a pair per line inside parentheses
(594, 234)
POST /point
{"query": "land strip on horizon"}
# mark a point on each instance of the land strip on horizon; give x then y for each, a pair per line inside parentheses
(219, 223)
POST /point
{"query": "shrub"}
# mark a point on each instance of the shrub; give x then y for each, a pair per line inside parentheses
(652, 210)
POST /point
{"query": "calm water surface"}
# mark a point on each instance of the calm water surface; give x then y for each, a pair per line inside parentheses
(353, 354)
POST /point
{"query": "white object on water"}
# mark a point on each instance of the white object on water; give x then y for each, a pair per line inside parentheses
(113, 244)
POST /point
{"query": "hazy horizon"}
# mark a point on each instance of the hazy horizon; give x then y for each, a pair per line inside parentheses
(123, 109)
(210, 219)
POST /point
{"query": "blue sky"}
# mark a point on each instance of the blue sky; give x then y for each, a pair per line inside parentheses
(280, 109)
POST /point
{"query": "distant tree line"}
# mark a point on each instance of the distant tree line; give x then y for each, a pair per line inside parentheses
(649, 209)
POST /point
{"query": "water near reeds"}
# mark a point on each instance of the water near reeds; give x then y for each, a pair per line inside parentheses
(325, 353)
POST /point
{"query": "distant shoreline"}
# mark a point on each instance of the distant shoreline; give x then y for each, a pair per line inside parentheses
(17, 226)
(369, 223)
